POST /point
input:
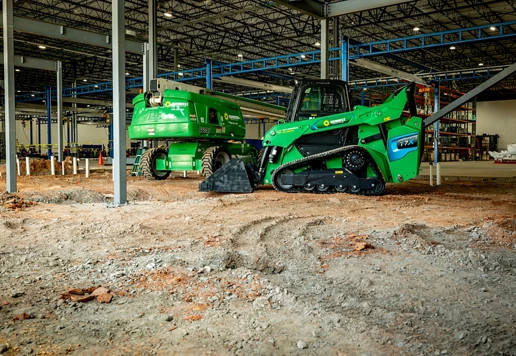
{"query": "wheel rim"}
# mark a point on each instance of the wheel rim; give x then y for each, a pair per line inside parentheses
(221, 159)
(355, 160)
(309, 187)
(160, 155)
(354, 189)
(341, 188)
(322, 187)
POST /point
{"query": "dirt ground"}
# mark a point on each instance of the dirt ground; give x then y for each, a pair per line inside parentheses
(419, 271)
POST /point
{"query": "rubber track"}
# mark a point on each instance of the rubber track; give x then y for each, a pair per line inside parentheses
(330, 153)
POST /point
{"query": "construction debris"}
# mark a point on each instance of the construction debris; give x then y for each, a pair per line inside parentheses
(13, 202)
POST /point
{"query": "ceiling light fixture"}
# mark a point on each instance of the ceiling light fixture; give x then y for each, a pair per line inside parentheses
(240, 55)
(415, 29)
(481, 64)
(452, 47)
(85, 80)
(303, 56)
(127, 73)
(42, 47)
(492, 28)
(168, 14)
(16, 70)
(317, 44)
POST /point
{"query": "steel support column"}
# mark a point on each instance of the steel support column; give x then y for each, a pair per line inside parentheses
(10, 122)
(324, 49)
(209, 74)
(118, 16)
(344, 59)
(436, 124)
(39, 135)
(60, 146)
(31, 133)
(176, 59)
(49, 122)
(146, 78)
(153, 40)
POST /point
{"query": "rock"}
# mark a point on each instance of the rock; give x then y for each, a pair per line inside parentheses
(17, 294)
(104, 298)
(301, 345)
(60, 302)
(3, 348)
(99, 291)
(261, 302)
(27, 351)
(169, 318)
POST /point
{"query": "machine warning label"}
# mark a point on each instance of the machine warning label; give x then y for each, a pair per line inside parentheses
(204, 130)
(150, 132)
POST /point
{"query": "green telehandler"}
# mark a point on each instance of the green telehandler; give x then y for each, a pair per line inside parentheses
(356, 151)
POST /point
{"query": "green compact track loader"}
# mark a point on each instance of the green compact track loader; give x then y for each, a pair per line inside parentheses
(204, 129)
(356, 151)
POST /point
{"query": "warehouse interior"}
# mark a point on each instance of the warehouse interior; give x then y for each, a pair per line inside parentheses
(178, 250)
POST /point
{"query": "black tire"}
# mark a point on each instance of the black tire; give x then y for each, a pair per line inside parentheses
(213, 159)
(148, 164)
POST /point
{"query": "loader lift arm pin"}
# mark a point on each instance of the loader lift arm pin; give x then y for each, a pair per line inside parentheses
(469, 95)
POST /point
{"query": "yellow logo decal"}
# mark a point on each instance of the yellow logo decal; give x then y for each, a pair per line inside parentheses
(226, 116)
(387, 119)
(339, 172)
(167, 104)
(326, 123)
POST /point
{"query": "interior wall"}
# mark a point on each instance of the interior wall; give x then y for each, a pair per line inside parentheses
(87, 134)
(497, 117)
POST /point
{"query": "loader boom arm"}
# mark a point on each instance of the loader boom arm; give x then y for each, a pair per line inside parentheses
(469, 95)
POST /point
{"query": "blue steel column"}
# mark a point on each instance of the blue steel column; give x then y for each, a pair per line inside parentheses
(49, 121)
(119, 169)
(344, 59)
(10, 123)
(60, 148)
(209, 74)
(436, 124)
(362, 98)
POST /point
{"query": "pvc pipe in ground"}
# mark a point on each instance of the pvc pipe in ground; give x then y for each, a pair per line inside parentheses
(75, 165)
(87, 167)
(18, 165)
(184, 174)
(431, 174)
(438, 173)
(27, 165)
(52, 166)
(62, 168)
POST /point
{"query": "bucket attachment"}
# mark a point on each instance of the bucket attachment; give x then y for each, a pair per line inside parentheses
(233, 177)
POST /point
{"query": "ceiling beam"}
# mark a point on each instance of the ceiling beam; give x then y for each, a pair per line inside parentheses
(309, 7)
(31, 62)
(387, 70)
(255, 84)
(70, 34)
(350, 6)
(319, 10)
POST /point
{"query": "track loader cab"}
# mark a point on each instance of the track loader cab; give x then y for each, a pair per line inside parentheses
(317, 98)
